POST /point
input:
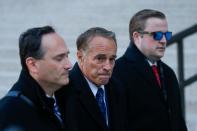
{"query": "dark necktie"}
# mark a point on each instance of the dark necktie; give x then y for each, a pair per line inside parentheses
(154, 67)
(100, 100)
(53, 105)
(57, 112)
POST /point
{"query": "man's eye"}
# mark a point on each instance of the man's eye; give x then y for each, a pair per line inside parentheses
(100, 59)
(58, 58)
(112, 59)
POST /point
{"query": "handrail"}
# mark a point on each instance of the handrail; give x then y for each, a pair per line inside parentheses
(178, 39)
(181, 35)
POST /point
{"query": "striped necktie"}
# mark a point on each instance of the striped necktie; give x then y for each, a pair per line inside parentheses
(57, 112)
(53, 105)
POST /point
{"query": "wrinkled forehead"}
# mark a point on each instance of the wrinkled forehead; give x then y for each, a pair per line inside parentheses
(100, 41)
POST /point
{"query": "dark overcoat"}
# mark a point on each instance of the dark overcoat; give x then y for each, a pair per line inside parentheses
(80, 108)
(150, 108)
(31, 114)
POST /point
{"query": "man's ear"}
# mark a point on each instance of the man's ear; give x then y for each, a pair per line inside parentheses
(31, 64)
(137, 37)
(80, 54)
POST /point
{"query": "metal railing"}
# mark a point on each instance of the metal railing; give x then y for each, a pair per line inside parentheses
(178, 40)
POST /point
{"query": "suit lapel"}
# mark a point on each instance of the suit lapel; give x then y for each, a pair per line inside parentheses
(146, 72)
(90, 104)
(112, 105)
(86, 96)
(139, 62)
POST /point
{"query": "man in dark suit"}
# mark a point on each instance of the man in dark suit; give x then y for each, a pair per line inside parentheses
(153, 94)
(30, 104)
(96, 53)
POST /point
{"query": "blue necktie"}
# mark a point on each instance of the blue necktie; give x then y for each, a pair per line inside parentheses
(57, 112)
(53, 105)
(100, 100)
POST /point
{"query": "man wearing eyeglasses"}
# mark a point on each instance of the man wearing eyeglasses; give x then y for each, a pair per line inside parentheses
(151, 85)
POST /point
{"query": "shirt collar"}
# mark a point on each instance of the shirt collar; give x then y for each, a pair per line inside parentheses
(151, 63)
(93, 87)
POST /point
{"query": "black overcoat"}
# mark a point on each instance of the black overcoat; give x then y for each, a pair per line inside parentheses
(80, 108)
(150, 108)
(18, 115)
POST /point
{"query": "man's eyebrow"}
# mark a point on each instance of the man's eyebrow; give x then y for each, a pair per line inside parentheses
(60, 55)
(114, 56)
(67, 52)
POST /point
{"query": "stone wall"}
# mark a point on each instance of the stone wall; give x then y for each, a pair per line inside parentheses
(72, 17)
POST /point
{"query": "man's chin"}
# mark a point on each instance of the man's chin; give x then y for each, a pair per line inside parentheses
(65, 82)
(104, 81)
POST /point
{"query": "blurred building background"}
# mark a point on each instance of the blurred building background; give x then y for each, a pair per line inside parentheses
(72, 17)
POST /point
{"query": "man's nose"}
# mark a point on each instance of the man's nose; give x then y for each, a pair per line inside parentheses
(108, 65)
(163, 40)
(68, 64)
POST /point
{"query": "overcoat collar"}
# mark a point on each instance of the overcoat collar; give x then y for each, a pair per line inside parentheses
(140, 63)
(85, 95)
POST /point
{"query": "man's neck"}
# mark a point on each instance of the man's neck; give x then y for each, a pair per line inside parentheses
(152, 62)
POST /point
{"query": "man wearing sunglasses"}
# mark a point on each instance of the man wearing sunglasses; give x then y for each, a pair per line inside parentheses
(151, 85)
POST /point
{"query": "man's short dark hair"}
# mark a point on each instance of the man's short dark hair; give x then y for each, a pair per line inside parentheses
(30, 43)
(87, 36)
(138, 21)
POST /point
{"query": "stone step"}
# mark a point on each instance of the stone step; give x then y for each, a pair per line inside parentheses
(72, 17)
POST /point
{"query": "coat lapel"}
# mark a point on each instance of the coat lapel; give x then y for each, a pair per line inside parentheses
(86, 96)
(141, 65)
(90, 104)
(112, 104)
(146, 72)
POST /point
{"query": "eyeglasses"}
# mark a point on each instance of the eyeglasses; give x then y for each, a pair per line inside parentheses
(158, 35)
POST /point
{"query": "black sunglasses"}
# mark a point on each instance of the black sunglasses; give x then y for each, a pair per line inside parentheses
(158, 35)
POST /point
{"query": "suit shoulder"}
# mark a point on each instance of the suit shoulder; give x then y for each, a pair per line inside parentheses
(11, 103)
(116, 83)
(120, 60)
(120, 64)
(167, 68)
(12, 106)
